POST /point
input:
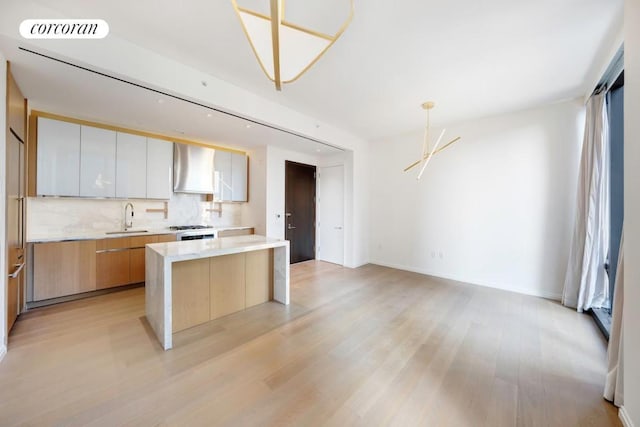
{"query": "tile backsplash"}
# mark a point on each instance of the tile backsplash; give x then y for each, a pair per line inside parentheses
(52, 216)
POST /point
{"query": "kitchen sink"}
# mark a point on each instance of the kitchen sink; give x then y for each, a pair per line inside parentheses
(126, 232)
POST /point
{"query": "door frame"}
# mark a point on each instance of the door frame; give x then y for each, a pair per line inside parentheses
(320, 206)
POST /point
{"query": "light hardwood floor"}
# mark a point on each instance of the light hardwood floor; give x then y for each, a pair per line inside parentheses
(370, 346)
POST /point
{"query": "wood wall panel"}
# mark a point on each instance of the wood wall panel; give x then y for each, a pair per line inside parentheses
(258, 277)
(190, 293)
(227, 284)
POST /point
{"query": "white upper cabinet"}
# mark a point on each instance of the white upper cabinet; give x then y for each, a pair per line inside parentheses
(222, 175)
(230, 176)
(238, 177)
(131, 166)
(159, 169)
(97, 162)
(58, 157)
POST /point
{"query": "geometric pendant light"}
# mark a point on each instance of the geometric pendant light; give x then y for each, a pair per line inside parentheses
(427, 152)
(284, 50)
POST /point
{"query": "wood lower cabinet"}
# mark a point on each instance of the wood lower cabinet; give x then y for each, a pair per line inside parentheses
(136, 257)
(112, 269)
(120, 261)
(209, 288)
(112, 262)
(63, 268)
(237, 232)
(67, 268)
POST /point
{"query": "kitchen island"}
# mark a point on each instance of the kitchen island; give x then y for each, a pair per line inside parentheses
(192, 282)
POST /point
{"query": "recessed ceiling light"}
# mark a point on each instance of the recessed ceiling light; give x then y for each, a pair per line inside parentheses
(204, 83)
(248, 126)
(209, 115)
(318, 150)
(160, 101)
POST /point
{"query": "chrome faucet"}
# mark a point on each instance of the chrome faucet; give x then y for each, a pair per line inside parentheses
(129, 224)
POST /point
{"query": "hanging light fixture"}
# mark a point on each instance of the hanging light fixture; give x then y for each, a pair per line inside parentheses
(284, 50)
(427, 151)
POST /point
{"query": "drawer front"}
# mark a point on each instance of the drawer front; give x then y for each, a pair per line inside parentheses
(140, 241)
(240, 232)
(115, 243)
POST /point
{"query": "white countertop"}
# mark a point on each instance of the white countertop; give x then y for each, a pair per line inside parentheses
(206, 248)
(102, 234)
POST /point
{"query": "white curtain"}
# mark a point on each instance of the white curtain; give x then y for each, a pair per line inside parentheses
(586, 284)
(613, 386)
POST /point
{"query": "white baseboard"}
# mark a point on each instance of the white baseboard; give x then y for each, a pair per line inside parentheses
(556, 296)
(3, 351)
(624, 417)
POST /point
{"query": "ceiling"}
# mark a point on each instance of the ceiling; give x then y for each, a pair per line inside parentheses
(59, 88)
(474, 58)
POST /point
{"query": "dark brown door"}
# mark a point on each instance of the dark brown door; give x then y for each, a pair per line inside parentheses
(300, 210)
(16, 135)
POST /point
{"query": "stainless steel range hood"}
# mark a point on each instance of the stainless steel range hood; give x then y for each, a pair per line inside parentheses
(192, 169)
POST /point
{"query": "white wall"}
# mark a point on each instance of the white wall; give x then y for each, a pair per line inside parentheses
(495, 209)
(254, 212)
(3, 216)
(632, 211)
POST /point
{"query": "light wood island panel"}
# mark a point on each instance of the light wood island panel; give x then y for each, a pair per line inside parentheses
(243, 271)
(227, 282)
(190, 293)
(259, 277)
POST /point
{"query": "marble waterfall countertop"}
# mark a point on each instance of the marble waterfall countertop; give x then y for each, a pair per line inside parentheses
(64, 236)
(206, 248)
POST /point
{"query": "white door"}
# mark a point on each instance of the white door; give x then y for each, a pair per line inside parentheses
(331, 214)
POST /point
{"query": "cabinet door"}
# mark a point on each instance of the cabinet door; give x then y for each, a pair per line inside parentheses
(159, 169)
(97, 162)
(239, 164)
(112, 262)
(112, 269)
(137, 257)
(131, 166)
(222, 175)
(58, 158)
(63, 268)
